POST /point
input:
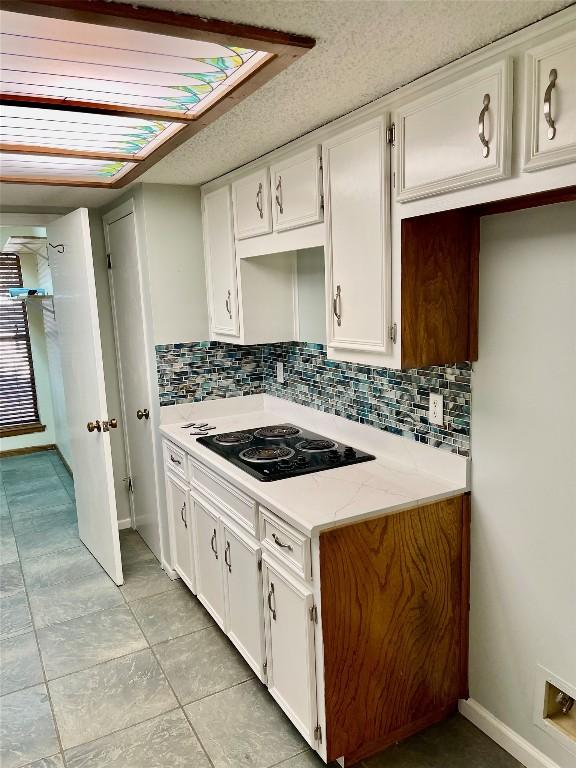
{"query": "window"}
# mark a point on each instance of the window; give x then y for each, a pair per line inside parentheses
(18, 404)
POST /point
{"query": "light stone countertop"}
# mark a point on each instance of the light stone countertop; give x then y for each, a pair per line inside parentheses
(405, 474)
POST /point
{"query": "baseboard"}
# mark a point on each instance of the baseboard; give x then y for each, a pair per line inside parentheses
(512, 742)
(124, 523)
(169, 571)
(24, 451)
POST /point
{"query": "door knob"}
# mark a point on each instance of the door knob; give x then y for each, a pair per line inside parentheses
(108, 425)
(94, 426)
(143, 414)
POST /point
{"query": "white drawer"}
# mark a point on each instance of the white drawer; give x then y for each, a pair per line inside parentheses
(290, 546)
(226, 496)
(175, 460)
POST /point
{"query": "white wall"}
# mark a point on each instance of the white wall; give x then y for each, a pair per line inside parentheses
(311, 291)
(38, 346)
(523, 599)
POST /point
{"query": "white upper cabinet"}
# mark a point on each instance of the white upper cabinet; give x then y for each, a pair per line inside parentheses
(251, 197)
(551, 104)
(296, 190)
(356, 184)
(457, 136)
(220, 260)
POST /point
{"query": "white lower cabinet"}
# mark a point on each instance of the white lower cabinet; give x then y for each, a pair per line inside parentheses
(209, 559)
(289, 622)
(180, 527)
(243, 596)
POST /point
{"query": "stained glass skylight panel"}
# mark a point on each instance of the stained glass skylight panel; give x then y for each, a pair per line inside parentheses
(14, 166)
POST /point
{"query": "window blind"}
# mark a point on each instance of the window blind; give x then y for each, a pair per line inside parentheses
(18, 403)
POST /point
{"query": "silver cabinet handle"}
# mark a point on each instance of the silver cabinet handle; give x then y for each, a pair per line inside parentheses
(548, 104)
(259, 201)
(279, 195)
(280, 543)
(229, 304)
(227, 558)
(213, 544)
(481, 125)
(175, 461)
(183, 515)
(337, 305)
(270, 596)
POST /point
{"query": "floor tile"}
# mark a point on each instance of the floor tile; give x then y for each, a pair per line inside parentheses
(19, 663)
(67, 565)
(31, 486)
(8, 551)
(14, 615)
(169, 615)
(44, 519)
(27, 730)
(167, 741)
(17, 474)
(243, 727)
(307, 759)
(134, 547)
(109, 697)
(202, 663)
(48, 762)
(143, 578)
(37, 543)
(10, 579)
(80, 643)
(38, 500)
(71, 599)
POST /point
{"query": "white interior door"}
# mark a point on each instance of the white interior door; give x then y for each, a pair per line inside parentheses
(135, 389)
(78, 326)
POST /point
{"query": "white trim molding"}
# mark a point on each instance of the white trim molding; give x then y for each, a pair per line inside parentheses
(504, 736)
(124, 523)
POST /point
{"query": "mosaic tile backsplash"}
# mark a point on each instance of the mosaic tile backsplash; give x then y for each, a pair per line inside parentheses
(396, 401)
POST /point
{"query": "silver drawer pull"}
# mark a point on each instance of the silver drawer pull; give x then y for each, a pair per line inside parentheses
(279, 195)
(227, 559)
(175, 461)
(229, 304)
(213, 544)
(270, 596)
(482, 127)
(548, 104)
(183, 515)
(337, 305)
(259, 202)
(280, 543)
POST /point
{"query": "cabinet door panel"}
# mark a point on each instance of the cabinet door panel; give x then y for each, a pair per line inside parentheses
(548, 145)
(290, 648)
(243, 582)
(296, 190)
(209, 554)
(180, 526)
(357, 238)
(251, 197)
(220, 260)
(439, 146)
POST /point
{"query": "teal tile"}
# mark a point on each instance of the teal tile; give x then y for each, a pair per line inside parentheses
(27, 730)
(20, 665)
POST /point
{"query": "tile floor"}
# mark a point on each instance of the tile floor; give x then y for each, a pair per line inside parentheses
(96, 676)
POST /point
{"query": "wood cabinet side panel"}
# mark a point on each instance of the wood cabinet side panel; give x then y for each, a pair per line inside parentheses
(393, 624)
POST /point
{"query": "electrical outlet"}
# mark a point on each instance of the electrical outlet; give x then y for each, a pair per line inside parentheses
(280, 372)
(436, 409)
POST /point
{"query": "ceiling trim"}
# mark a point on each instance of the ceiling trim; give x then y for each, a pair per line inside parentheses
(27, 149)
(283, 49)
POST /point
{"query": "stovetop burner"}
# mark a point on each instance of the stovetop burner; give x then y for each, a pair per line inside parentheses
(234, 438)
(312, 446)
(277, 431)
(281, 450)
(267, 453)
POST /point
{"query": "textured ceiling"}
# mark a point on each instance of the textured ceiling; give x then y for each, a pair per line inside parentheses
(365, 48)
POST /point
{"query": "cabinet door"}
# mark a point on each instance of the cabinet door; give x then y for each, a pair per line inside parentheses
(180, 527)
(209, 577)
(297, 199)
(551, 104)
(356, 173)
(220, 259)
(290, 647)
(243, 592)
(251, 197)
(457, 136)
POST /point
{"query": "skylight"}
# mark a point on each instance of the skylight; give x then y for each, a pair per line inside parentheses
(87, 103)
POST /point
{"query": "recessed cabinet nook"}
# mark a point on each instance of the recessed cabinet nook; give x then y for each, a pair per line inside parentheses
(393, 194)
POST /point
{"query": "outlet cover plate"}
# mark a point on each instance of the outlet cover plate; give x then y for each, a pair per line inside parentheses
(280, 372)
(436, 409)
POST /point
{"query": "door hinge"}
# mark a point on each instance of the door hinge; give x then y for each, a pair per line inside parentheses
(393, 333)
(321, 181)
(391, 135)
(314, 614)
(109, 260)
(130, 485)
(318, 733)
(260, 563)
(265, 665)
